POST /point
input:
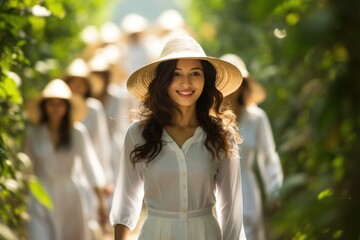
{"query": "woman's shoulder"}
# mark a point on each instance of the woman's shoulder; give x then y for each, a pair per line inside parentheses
(93, 103)
(135, 130)
(34, 128)
(136, 126)
(79, 128)
(255, 111)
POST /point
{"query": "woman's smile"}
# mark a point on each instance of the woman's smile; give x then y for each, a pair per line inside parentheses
(187, 82)
(185, 93)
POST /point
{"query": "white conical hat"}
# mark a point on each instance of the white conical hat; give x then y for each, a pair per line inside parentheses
(78, 68)
(134, 23)
(57, 88)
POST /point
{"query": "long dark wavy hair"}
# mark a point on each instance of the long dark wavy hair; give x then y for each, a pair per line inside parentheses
(65, 125)
(219, 124)
(244, 93)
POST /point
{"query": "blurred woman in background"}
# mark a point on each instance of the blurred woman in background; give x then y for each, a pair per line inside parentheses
(95, 121)
(258, 145)
(53, 143)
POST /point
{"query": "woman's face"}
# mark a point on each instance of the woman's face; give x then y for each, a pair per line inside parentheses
(187, 83)
(97, 83)
(55, 108)
(78, 85)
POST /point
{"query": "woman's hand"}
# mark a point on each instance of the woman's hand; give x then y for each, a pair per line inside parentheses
(108, 190)
(121, 232)
(103, 214)
(103, 211)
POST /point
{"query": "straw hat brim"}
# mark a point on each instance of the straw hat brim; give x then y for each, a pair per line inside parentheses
(257, 94)
(228, 76)
(79, 109)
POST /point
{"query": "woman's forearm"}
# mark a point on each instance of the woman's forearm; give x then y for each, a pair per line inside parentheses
(121, 232)
(102, 208)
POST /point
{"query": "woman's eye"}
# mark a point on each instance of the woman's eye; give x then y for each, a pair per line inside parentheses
(176, 74)
(196, 74)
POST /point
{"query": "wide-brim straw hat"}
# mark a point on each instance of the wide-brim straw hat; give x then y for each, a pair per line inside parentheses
(57, 88)
(257, 91)
(228, 76)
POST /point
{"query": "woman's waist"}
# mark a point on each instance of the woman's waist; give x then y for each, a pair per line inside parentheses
(180, 214)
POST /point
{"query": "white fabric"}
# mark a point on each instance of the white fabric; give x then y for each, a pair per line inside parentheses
(54, 171)
(179, 181)
(96, 124)
(258, 145)
(117, 114)
(136, 55)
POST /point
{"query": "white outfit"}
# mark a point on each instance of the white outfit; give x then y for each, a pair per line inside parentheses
(180, 188)
(136, 55)
(96, 124)
(117, 114)
(130, 103)
(54, 169)
(258, 143)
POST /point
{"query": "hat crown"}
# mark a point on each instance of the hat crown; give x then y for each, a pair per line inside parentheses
(57, 88)
(109, 33)
(134, 23)
(78, 68)
(182, 47)
(170, 19)
(237, 61)
(99, 62)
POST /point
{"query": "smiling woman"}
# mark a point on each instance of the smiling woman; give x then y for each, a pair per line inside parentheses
(187, 83)
(181, 158)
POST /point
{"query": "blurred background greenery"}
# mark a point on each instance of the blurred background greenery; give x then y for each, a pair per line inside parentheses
(305, 52)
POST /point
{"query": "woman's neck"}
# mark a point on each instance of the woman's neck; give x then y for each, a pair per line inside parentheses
(53, 126)
(183, 125)
(185, 117)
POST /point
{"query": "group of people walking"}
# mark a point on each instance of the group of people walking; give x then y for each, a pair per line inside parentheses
(179, 133)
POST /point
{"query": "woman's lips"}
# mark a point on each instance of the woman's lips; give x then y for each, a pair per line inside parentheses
(185, 94)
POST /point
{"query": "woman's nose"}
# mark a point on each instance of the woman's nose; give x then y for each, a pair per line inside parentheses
(186, 80)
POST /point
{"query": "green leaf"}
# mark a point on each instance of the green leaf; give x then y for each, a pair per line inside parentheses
(40, 193)
(325, 193)
(9, 91)
(56, 8)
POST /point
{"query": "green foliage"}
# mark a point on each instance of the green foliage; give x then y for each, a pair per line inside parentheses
(37, 40)
(306, 54)
(40, 193)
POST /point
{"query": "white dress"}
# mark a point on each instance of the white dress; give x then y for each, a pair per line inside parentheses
(54, 170)
(96, 125)
(117, 114)
(258, 145)
(180, 187)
